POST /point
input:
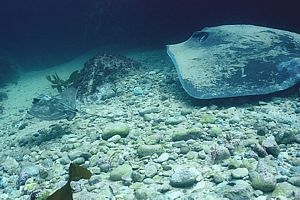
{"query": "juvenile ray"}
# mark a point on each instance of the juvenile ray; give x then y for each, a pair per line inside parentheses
(61, 106)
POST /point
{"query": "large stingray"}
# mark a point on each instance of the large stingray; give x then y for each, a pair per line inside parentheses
(237, 60)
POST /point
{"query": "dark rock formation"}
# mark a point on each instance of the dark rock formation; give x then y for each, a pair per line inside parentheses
(102, 68)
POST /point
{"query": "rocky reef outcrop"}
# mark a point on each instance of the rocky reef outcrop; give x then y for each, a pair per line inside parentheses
(101, 69)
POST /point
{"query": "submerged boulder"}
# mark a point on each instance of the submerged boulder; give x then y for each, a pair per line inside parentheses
(237, 60)
(102, 68)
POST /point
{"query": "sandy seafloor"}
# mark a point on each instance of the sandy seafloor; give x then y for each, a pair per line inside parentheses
(176, 148)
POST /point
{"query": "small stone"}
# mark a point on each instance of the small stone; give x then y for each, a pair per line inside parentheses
(186, 111)
(10, 166)
(207, 119)
(43, 173)
(261, 198)
(220, 153)
(191, 155)
(265, 182)
(74, 154)
(137, 177)
(284, 189)
(114, 139)
(288, 136)
(218, 178)
(104, 163)
(261, 152)
(295, 181)
(183, 178)
(186, 134)
(104, 167)
(296, 162)
(174, 195)
(106, 91)
(86, 155)
(163, 157)
(143, 193)
(149, 110)
(150, 169)
(118, 128)
(64, 160)
(3, 182)
(235, 120)
(148, 181)
(153, 139)
(266, 165)
(137, 91)
(119, 172)
(233, 163)
(29, 187)
(175, 120)
(164, 97)
(23, 125)
(27, 171)
(166, 167)
(79, 161)
(93, 160)
(238, 190)
(251, 154)
(95, 179)
(149, 150)
(215, 131)
(239, 173)
(271, 146)
(261, 129)
(184, 149)
(152, 117)
(202, 155)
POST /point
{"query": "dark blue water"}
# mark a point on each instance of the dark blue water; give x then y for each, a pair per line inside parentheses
(37, 34)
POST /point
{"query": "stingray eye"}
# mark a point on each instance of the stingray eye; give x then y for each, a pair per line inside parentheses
(200, 36)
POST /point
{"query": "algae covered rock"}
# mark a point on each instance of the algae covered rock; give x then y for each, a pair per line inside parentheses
(284, 189)
(27, 171)
(265, 182)
(186, 134)
(239, 190)
(118, 128)
(183, 178)
(271, 146)
(149, 150)
(207, 119)
(239, 173)
(219, 153)
(120, 172)
(102, 68)
(287, 136)
(295, 181)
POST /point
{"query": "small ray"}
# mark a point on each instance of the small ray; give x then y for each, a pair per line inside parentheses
(61, 106)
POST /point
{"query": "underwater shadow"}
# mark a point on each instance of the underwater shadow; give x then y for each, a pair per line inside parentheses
(44, 135)
(251, 99)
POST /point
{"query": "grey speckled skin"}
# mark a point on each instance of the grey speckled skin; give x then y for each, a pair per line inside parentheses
(237, 60)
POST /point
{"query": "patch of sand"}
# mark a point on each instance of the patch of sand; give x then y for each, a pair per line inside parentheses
(31, 84)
